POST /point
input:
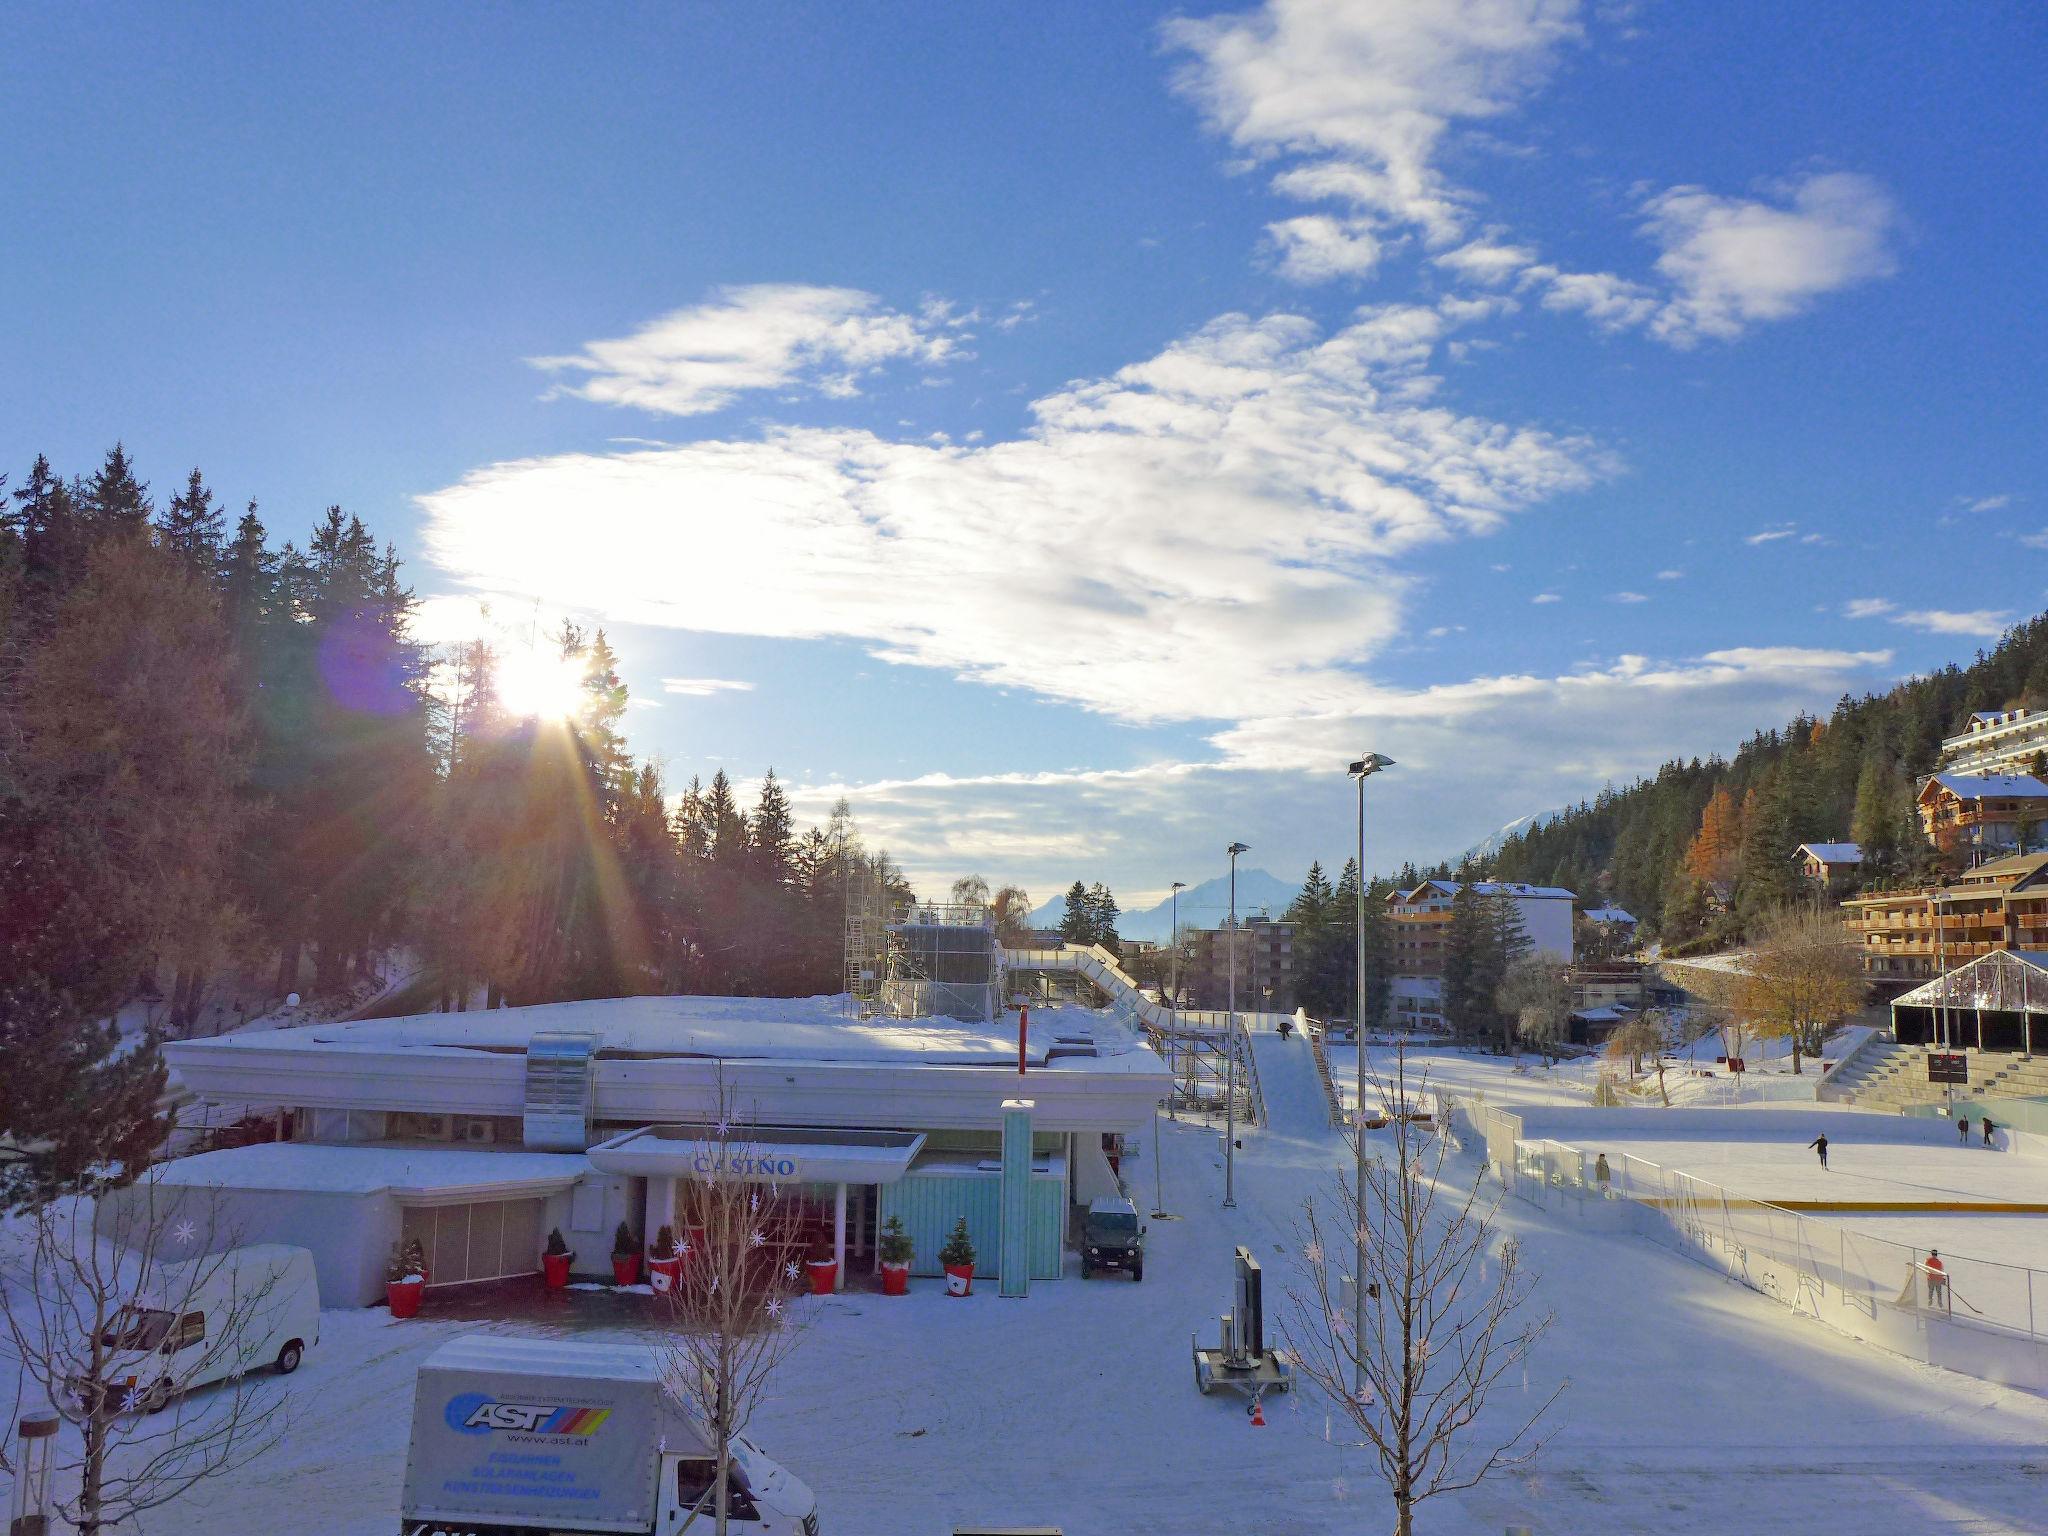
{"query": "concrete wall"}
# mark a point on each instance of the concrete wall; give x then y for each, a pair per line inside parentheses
(349, 1235)
(1548, 922)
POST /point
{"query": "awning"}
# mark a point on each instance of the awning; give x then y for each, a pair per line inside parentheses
(777, 1154)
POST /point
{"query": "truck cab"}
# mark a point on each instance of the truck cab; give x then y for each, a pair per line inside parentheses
(763, 1500)
(1112, 1238)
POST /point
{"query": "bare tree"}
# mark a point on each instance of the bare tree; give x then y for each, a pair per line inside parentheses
(1804, 976)
(113, 1326)
(1635, 1037)
(1011, 908)
(733, 1323)
(1442, 1321)
(1535, 996)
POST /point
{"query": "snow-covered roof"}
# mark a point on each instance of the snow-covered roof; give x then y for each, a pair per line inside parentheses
(1833, 853)
(725, 1028)
(1991, 786)
(370, 1170)
(1611, 915)
(1491, 888)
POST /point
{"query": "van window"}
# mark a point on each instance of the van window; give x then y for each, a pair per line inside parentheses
(136, 1328)
(191, 1330)
(694, 1480)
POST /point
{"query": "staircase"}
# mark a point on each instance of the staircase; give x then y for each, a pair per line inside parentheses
(1895, 1076)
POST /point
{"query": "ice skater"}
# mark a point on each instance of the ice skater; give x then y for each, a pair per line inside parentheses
(1988, 1129)
(1963, 1128)
(1820, 1145)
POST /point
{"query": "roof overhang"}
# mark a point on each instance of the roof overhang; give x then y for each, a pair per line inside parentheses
(769, 1154)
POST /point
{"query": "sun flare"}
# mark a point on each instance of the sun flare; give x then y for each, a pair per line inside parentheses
(540, 684)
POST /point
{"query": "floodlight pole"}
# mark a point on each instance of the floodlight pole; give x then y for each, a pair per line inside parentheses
(1173, 986)
(1230, 1048)
(1364, 768)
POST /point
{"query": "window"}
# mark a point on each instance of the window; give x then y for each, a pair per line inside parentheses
(481, 1240)
(191, 1330)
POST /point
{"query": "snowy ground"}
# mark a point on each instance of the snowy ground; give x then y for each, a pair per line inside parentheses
(1695, 1405)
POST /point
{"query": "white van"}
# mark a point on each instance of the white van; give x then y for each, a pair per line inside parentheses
(208, 1319)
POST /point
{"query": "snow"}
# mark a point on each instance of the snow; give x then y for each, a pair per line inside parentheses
(1833, 853)
(1989, 786)
(1695, 1405)
(367, 1170)
(732, 1028)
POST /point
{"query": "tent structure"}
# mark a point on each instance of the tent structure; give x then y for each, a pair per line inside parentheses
(1998, 1002)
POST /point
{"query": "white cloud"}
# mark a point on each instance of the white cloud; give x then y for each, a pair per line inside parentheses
(1363, 94)
(1610, 302)
(1986, 622)
(704, 687)
(1241, 499)
(1735, 261)
(754, 337)
(1671, 575)
(1629, 597)
(1316, 247)
(1772, 535)
(1984, 503)
(1867, 608)
(2035, 540)
(1487, 262)
(1546, 597)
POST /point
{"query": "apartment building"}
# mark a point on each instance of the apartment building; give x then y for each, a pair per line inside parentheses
(1983, 814)
(1419, 922)
(1911, 936)
(1266, 961)
(2000, 741)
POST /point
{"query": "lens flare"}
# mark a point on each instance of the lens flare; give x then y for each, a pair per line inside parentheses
(541, 684)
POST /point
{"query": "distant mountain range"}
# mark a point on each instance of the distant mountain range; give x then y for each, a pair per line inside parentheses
(1201, 906)
(1491, 844)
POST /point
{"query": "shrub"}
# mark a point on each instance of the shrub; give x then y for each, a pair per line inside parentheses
(896, 1246)
(959, 1250)
(624, 1242)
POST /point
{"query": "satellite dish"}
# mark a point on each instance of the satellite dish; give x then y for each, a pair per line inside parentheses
(291, 1000)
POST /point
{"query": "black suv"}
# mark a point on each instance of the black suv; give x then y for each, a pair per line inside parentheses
(1112, 1239)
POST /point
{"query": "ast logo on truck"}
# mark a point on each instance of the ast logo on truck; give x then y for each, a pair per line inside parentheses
(475, 1413)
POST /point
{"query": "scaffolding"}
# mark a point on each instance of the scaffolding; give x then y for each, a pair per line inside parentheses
(911, 960)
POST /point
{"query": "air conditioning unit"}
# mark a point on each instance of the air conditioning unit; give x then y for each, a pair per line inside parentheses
(431, 1127)
(479, 1130)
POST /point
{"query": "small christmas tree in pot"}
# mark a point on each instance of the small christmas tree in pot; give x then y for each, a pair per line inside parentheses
(897, 1251)
(625, 1256)
(664, 1264)
(554, 1264)
(405, 1277)
(958, 1258)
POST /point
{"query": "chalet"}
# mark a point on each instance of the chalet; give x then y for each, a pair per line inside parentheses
(1910, 936)
(1824, 863)
(1983, 813)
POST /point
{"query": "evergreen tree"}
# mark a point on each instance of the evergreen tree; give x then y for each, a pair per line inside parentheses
(192, 527)
(116, 504)
(1103, 913)
(769, 835)
(1467, 979)
(1077, 923)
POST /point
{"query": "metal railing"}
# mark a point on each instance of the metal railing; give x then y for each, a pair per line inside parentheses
(1762, 1244)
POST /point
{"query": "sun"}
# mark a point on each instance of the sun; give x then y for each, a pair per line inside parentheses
(539, 683)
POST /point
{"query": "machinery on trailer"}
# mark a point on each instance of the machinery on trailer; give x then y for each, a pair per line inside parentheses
(1241, 1361)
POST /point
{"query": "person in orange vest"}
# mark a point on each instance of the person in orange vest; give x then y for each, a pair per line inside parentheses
(1937, 1279)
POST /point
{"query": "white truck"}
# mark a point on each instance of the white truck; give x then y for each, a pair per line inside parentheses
(544, 1437)
(210, 1319)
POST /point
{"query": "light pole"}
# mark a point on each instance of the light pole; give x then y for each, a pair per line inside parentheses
(1230, 1047)
(1366, 766)
(1173, 990)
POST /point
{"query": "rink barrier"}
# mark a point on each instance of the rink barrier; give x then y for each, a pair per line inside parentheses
(1979, 1318)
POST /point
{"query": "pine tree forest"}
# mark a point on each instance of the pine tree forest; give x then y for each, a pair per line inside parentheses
(228, 772)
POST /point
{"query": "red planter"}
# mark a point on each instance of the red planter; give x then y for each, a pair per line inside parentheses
(895, 1279)
(959, 1279)
(626, 1268)
(662, 1274)
(555, 1267)
(403, 1296)
(824, 1272)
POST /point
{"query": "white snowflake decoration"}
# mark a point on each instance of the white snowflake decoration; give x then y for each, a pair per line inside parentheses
(757, 1238)
(754, 1201)
(184, 1232)
(131, 1400)
(790, 1270)
(1313, 1252)
(714, 1285)
(775, 1306)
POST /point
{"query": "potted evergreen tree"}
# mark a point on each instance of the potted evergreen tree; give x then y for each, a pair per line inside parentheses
(958, 1258)
(625, 1256)
(405, 1277)
(554, 1264)
(664, 1264)
(897, 1251)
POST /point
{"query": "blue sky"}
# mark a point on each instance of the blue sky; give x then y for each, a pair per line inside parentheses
(1081, 428)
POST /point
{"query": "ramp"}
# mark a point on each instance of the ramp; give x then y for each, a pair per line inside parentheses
(1296, 1104)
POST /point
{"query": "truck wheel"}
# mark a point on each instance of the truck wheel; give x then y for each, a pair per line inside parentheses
(1137, 1272)
(289, 1357)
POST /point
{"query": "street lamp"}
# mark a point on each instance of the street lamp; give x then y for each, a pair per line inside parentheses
(1230, 1047)
(1363, 769)
(1179, 1043)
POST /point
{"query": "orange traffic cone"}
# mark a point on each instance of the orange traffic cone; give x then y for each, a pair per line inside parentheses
(1258, 1414)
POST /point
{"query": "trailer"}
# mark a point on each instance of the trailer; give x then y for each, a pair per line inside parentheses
(1241, 1361)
